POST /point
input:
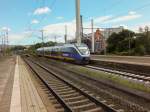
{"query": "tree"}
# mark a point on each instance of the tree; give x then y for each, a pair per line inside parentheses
(125, 43)
(121, 42)
(146, 28)
(140, 50)
(144, 40)
(17, 48)
(140, 29)
(32, 48)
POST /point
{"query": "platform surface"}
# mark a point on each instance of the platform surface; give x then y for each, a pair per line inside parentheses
(18, 92)
(7, 66)
(139, 60)
(25, 97)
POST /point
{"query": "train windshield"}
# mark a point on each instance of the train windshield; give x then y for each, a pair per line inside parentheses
(84, 50)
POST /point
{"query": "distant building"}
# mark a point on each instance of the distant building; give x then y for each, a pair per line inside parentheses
(100, 37)
(108, 31)
(99, 41)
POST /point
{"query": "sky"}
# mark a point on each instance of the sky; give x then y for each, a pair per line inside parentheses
(25, 18)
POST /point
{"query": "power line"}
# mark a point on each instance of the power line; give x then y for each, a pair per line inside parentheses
(51, 7)
(109, 7)
(135, 9)
(42, 36)
(52, 4)
(42, 18)
(112, 5)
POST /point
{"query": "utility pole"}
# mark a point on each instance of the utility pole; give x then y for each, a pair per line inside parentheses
(81, 26)
(65, 34)
(4, 42)
(7, 39)
(129, 42)
(105, 49)
(2, 45)
(93, 40)
(78, 26)
(55, 39)
(42, 35)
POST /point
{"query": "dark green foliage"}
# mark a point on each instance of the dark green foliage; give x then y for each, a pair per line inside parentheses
(38, 45)
(32, 48)
(140, 50)
(17, 48)
(124, 43)
(120, 42)
(143, 42)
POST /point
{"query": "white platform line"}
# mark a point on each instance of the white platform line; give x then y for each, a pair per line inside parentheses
(16, 99)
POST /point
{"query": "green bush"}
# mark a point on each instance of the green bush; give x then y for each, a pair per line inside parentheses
(140, 50)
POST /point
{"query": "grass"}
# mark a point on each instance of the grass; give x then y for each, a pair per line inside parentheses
(112, 78)
(109, 77)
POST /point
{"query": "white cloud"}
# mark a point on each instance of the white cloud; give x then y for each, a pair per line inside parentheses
(112, 19)
(59, 30)
(102, 19)
(136, 26)
(5, 28)
(43, 10)
(19, 38)
(60, 17)
(132, 12)
(131, 16)
(14, 39)
(34, 21)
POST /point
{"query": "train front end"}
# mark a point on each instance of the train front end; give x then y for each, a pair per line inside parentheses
(84, 53)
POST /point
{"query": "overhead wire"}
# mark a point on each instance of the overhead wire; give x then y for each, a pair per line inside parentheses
(115, 4)
(134, 9)
(43, 4)
(105, 9)
(109, 6)
(39, 4)
(31, 15)
(51, 7)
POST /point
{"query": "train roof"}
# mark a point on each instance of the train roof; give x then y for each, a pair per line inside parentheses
(65, 45)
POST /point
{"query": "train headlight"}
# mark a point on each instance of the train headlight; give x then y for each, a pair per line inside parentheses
(87, 52)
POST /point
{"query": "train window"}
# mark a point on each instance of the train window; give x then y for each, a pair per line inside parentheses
(73, 50)
(84, 50)
(54, 50)
(69, 50)
(63, 50)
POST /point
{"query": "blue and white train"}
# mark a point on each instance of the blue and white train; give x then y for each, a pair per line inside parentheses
(79, 53)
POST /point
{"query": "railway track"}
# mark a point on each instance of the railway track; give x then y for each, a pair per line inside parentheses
(71, 97)
(133, 68)
(140, 78)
